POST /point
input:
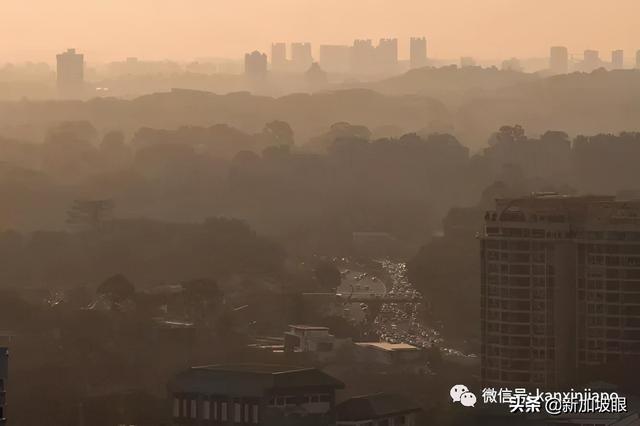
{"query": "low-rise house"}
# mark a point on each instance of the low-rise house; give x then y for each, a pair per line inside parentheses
(380, 409)
(315, 341)
(308, 338)
(254, 394)
(388, 353)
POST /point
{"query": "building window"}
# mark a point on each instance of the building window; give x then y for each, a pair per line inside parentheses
(384, 422)
(184, 408)
(237, 412)
(224, 415)
(400, 420)
(206, 410)
(255, 413)
(194, 409)
(290, 400)
(176, 407)
(246, 413)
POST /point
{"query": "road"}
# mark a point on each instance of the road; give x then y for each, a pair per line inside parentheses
(396, 322)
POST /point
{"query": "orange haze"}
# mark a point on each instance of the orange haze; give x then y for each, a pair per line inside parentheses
(185, 29)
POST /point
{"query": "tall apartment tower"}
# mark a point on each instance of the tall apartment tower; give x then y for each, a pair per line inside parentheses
(559, 60)
(278, 56)
(591, 60)
(387, 55)
(362, 56)
(418, 52)
(560, 288)
(617, 59)
(301, 58)
(255, 65)
(4, 375)
(70, 74)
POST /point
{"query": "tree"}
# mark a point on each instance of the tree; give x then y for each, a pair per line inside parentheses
(328, 275)
(117, 289)
(339, 132)
(278, 133)
(201, 297)
(115, 152)
(90, 214)
(83, 130)
(508, 134)
(434, 357)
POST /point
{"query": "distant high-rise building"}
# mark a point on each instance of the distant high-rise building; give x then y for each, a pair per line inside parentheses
(301, 58)
(591, 60)
(617, 59)
(255, 64)
(559, 60)
(418, 52)
(467, 61)
(70, 74)
(638, 59)
(512, 64)
(4, 375)
(362, 56)
(386, 55)
(560, 285)
(334, 58)
(278, 56)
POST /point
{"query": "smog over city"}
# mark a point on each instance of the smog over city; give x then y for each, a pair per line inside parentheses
(319, 213)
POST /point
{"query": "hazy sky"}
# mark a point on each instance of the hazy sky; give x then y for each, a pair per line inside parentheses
(184, 29)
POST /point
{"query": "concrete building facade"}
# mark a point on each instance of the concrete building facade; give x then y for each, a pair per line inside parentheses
(255, 64)
(362, 56)
(70, 74)
(417, 52)
(560, 288)
(617, 59)
(256, 394)
(4, 376)
(380, 409)
(591, 60)
(301, 57)
(387, 55)
(278, 56)
(559, 60)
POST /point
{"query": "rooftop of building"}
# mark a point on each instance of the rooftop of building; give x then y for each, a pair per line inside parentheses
(252, 368)
(250, 379)
(371, 233)
(308, 327)
(554, 208)
(555, 198)
(367, 407)
(390, 347)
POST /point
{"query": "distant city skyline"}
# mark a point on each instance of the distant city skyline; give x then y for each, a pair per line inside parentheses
(39, 29)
